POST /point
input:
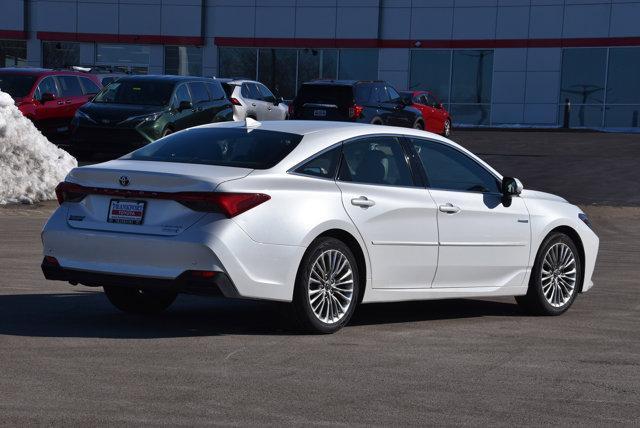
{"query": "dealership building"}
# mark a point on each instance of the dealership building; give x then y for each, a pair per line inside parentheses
(490, 62)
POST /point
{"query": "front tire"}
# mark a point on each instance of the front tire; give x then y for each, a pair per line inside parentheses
(327, 287)
(139, 301)
(555, 279)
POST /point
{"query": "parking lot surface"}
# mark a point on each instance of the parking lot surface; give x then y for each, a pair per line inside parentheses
(68, 357)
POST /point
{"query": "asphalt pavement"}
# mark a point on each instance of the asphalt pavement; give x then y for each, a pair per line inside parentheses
(67, 357)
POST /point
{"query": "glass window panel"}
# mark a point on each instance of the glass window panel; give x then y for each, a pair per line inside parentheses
(583, 73)
(582, 116)
(323, 165)
(88, 86)
(430, 70)
(623, 84)
(216, 91)
(70, 86)
(13, 53)
(471, 76)
(60, 54)
(122, 54)
(450, 169)
(277, 70)
(183, 60)
(358, 64)
(237, 62)
(622, 116)
(375, 160)
(308, 65)
(199, 92)
(329, 64)
(470, 114)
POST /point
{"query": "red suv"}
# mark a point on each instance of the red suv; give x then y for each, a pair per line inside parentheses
(49, 98)
(436, 117)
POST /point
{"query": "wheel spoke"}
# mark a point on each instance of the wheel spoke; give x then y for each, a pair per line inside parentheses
(558, 274)
(330, 286)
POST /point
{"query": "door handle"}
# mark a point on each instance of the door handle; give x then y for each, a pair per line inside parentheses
(449, 208)
(68, 101)
(60, 103)
(253, 104)
(363, 202)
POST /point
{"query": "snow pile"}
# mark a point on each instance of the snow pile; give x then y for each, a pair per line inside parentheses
(30, 166)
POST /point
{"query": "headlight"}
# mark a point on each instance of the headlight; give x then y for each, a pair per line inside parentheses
(144, 118)
(585, 219)
(82, 115)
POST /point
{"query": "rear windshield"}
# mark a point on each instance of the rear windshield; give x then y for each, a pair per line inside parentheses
(338, 95)
(242, 148)
(16, 85)
(138, 92)
(228, 89)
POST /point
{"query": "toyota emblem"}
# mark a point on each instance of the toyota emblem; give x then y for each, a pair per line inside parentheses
(124, 181)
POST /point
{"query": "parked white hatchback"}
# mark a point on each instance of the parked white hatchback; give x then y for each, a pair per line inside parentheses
(254, 100)
(324, 215)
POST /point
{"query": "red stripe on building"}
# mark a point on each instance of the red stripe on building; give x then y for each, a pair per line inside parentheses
(425, 44)
(13, 34)
(146, 39)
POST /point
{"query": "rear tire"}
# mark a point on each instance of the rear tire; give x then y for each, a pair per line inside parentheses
(138, 301)
(555, 279)
(327, 287)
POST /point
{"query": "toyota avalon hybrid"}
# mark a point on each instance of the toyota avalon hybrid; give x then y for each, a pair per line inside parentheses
(324, 215)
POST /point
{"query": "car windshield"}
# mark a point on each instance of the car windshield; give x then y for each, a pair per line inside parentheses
(242, 148)
(138, 92)
(339, 95)
(16, 85)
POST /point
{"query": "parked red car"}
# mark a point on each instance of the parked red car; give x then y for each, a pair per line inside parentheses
(437, 119)
(49, 98)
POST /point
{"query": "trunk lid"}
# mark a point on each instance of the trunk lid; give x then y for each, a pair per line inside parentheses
(159, 216)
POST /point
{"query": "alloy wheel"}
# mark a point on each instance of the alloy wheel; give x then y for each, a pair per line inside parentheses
(558, 274)
(330, 286)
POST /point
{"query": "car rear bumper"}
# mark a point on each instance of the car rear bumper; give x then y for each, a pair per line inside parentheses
(91, 257)
(218, 285)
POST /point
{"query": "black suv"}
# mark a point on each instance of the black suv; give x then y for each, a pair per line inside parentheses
(136, 110)
(355, 101)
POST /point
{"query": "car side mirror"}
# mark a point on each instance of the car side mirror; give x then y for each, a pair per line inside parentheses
(184, 105)
(277, 101)
(511, 186)
(46, 97)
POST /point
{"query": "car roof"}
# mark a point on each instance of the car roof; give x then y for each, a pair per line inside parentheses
(340, 82)
(165, 78)
(42, 71)
(320, 135)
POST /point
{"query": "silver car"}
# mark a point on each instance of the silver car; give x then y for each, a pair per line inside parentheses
(253, 99)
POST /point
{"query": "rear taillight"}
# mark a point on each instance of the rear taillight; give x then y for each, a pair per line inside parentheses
(70, 192)
(235, 101)
(291, 110)
(50, 261)
(355, 112)
(229, 204)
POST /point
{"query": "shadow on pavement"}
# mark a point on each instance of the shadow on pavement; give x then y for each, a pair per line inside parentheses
(89, 314)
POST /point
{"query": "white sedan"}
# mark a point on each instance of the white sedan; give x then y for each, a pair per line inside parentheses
(324, 215)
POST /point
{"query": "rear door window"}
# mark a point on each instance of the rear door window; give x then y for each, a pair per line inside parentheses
(375, 160)
(265, 93)
(199, 92)
(394, 96)
(363, 93)
(70, 86)
(215, 91)
(88, 87)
